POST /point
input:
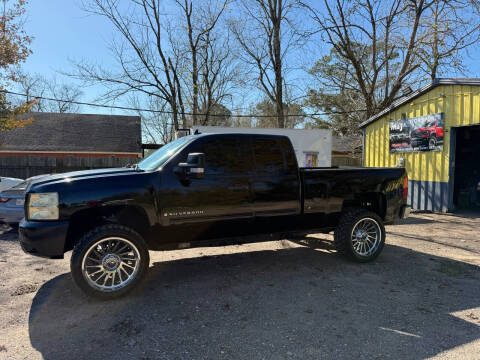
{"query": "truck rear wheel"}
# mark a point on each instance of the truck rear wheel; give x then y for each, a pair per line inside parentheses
(360, 235)
(109, 261)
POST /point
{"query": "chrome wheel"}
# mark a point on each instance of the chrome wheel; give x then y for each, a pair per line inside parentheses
(432, 144)
(110, 264)
(366, 236)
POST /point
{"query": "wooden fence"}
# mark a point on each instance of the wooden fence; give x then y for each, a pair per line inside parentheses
(26, 166)
(346, 161)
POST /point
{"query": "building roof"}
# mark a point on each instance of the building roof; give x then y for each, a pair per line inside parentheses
(75, 133)
(346, 144)
(405, 99)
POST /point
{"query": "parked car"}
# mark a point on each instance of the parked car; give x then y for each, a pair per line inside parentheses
(8, 182)
(428, 136)
(11, 204)
(195, 190)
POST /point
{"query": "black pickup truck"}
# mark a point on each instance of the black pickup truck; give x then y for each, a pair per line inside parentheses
(197, 189)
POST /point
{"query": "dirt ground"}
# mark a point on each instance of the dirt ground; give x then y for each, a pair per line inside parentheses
(289, 299)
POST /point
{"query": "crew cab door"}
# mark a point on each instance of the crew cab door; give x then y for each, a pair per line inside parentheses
(275, 182)
(222, 194)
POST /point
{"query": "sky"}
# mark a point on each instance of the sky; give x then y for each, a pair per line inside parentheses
(63, 31)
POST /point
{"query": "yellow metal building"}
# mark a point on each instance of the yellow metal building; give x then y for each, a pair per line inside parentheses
(435, 133)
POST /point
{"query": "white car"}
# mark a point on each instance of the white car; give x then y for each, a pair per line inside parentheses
(7, 182)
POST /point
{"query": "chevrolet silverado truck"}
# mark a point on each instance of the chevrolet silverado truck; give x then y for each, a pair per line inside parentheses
(198, 189)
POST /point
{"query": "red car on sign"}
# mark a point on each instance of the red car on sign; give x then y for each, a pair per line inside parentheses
(430, 135)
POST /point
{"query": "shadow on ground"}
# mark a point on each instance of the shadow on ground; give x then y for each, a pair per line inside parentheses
(302, 302)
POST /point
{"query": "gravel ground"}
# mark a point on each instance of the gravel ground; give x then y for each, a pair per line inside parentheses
(289, 299)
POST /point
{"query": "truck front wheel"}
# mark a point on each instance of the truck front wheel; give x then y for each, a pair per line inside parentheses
(360, 235)
(109, 261)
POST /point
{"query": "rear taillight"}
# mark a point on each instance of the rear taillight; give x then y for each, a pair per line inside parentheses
(405, 188)
(3, 200)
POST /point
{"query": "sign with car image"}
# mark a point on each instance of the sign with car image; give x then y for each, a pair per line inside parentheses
(423, 133)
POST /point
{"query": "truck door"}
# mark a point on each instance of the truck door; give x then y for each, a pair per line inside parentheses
(223, 193)
(275, 183)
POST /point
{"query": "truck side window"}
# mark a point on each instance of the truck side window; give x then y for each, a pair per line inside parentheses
(290, 159)
(222, 156)
(269, 158)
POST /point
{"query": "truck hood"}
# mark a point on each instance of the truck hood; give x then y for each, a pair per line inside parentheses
(420, 129)
(74, 175)
(420, 132)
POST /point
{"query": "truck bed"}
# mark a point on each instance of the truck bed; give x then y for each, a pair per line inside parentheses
(329, 190)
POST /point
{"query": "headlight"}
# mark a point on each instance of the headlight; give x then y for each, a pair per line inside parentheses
(43, 206)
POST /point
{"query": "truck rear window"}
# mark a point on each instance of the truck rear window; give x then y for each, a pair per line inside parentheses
(269, 157)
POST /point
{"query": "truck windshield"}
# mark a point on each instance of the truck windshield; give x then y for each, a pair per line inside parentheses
(429, 124)
(158, 158)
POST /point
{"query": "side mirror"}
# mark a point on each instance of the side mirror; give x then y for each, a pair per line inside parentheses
(194, 168)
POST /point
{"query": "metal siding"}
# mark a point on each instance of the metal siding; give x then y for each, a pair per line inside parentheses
(428, 172)
(363, 146)
(428, 195)
(476, 105)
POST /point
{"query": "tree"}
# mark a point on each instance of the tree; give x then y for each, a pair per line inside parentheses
(215, 115)
(163, 56)
(379, 48)
(293, 113)
(146, 64)
(36, 87)
(14, 50)
(263, 30)
(220, 75)
(32, 85)
(65, 91)
(450, 27)
(336, 94)
(199, 39)
(378, 43)
(157, 127)
(242, 121)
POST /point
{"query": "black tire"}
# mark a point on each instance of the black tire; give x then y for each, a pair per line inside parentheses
(432, 143)
(344, 239)
(100, 235)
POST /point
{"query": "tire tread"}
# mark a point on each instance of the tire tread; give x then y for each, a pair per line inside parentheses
(342, 235)
(93, 235)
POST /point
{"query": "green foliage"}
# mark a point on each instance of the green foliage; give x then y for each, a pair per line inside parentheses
(9, 114)
(217, 115)
(337, 92)
(336, 95)
(14, 50)
(294, 115)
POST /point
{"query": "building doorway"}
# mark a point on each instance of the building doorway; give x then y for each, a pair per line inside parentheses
(466, 195)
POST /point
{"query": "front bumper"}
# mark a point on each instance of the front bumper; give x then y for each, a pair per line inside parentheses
(418, 142)
(43, 238)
